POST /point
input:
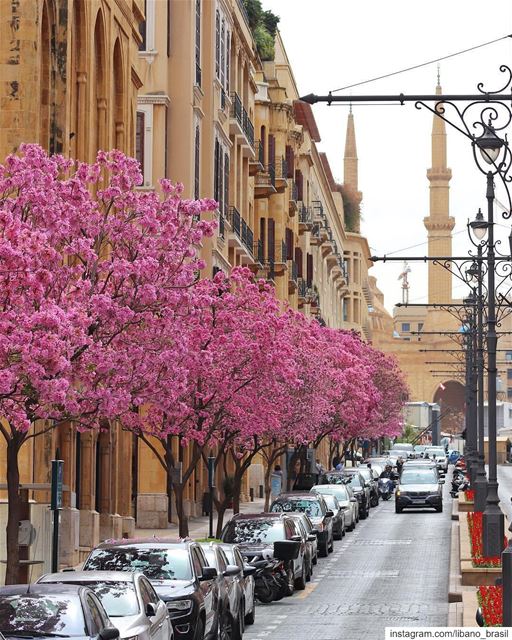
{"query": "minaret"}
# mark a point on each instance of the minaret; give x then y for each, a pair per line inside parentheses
(350, 163)
(439, 224)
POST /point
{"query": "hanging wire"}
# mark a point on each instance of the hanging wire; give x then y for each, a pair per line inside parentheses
(423, 64)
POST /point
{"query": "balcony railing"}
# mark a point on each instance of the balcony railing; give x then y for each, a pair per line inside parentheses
(259, 152)
(198, 75)
(294, 191)
(271, 170)
(234, 220)
(239, 113)
(222, 99)
(302, 287)
(221, 226)
(247, 236)
(305, 215)
(258, 251)
(241, 229)
(281, 168)
(318, 207)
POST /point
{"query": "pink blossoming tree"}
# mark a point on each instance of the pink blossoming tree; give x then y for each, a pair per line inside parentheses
(91, 272)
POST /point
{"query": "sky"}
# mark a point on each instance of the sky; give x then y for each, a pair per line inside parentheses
(335, 43)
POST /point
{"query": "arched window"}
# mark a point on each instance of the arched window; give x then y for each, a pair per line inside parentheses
(119, 98)
(99, 105)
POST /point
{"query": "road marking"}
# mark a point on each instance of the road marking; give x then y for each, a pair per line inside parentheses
(309, 589)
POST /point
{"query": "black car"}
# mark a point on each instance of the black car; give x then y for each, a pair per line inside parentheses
(50, 610)
(180, 574)
(373, 484)
(313, 505)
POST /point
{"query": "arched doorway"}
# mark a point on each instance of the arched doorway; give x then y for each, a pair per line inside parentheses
(450, 396)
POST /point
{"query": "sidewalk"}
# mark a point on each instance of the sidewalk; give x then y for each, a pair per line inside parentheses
(198, 527)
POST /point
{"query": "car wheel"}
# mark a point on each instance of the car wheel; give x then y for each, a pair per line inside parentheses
(300, 583)
(226, 626)
(309, 571)
(251, 616)
(363, 514)
(331, 546)
(315, 558)
(439, 509)
(199, 632)
(398, 509)
(237, 627)
(323, 549)
(339, 534)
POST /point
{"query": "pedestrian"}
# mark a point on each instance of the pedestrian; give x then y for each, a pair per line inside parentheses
(319, 467)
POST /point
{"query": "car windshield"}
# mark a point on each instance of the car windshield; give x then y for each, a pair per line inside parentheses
(440, 453)
(310, 507)
(418, 476)
(155, 563)
(42, 614)
(355, 481)
(335, 478)
(118, 598)
(254, 531)
(338, 490)
(331, 502)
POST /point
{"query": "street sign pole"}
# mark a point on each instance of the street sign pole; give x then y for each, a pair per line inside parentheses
(211, 486)
(56, 506)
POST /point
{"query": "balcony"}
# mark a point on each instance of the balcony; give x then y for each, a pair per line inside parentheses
(305, 219)
(222, 226)
(241, 236)
(198, 75)
(240, 125)
(265, 182)
(281, 174)
(318, 210)
(257, 163)
(292, 276)
(293, 195)
(258, 252)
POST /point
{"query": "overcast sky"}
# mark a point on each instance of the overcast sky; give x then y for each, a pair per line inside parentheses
(334, 43)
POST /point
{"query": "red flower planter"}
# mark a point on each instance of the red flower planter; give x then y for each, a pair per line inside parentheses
(491, 603)
(475, 534)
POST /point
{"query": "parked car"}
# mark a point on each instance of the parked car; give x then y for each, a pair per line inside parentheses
(338, 520)
(403, 449)
(374, 487)
(230, 591)
(245, 578)
(128, 598)
(180, 574)
(346, 499)
(256, 533)
(53, 610)
(419, 487)
(420, 463)
(361, 490)
(311, 533)
(310, 539)
(315, 507)
(419, 449)
(439, 455)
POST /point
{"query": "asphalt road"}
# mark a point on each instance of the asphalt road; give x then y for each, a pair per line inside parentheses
(392, 571)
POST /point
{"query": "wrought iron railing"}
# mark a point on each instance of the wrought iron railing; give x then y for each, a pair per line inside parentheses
(239, 113)
(302, 287)
(305, 215)
(294, 191)
(293, 270)
(198, 75)
(221, 226)
(259, 152)
(235, 220)
(247, 236)
(258, 251)
(222, 99)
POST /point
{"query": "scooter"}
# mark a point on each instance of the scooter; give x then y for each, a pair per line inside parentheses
(269, 580)
(386, 488)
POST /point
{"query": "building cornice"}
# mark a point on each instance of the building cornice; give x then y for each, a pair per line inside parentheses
(154, 98)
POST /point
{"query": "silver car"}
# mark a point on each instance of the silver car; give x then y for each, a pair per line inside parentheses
(419, 487)
(245, 579)
(128, 598)
(345, 497)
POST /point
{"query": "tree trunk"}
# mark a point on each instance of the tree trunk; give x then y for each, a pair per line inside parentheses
(221, 505)
(268, 487)
(13, 511)
(237, 489)
(169, 494)
(180, 510)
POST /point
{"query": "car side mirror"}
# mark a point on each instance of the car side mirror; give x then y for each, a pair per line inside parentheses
(314, 531)
(441, 481)
(296, 538)
(353, 499)
(209, 573)
(329, 514)
(249, 570)
(231, 571)
(311, 537)
(150, 610)
(109, 633)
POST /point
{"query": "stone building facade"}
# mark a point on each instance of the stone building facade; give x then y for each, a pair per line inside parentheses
(180, 85)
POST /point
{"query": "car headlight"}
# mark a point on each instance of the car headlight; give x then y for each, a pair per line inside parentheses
(397, 492)
(173, 606)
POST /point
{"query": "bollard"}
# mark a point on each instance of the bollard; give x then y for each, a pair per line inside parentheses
(506, 572)
(261, 491)
(251, 494)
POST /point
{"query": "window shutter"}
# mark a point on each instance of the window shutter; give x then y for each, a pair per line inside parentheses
(198, 42)
(309, 269)
(290, 160)
(139, 139)
(228, 55)
(223, 54)
(298, 260)
(217, 44)
(262, 233)
(289, 244)
(271, 150)
(226, 183)
(271, 239)
(300, 185)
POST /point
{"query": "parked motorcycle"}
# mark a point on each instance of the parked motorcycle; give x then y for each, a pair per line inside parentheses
(459, 482)
(386, 488)
(269, 580)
